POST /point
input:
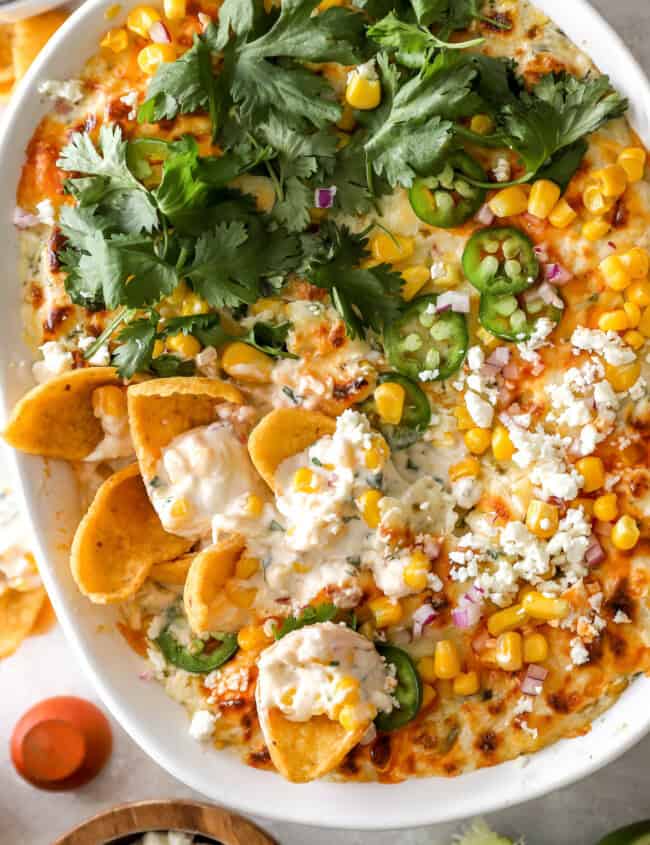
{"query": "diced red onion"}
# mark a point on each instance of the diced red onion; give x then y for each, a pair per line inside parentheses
(537, 672)
(489, 371)
(159, 33)
(540, 252)
(470, 608)
(556, 274)
(595, 553)
(458, 302)
(484, 215)
(24, 219)
(324, 197)
(533, 682)
(510, 371)
(423, 616)
(483, 641)
(500, 357)
(548, 295)
(430, 546)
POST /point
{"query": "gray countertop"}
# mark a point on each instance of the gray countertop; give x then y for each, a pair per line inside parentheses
(577, 815)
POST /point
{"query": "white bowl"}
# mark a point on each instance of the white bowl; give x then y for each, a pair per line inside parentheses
(155, 722)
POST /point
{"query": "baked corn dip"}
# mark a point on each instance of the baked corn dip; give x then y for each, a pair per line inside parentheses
(343, 312)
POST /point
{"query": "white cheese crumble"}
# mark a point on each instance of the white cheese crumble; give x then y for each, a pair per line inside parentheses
(579, 654)
(130, 99)
(46, 212)
(479, 410)
(101, 358)
(621, 618)
(202, 725)
(606, 344)
(70, 90)
(368, 70)
(56, 360)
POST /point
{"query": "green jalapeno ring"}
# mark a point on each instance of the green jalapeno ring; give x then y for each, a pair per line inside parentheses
(422, 341)
(202, 661)
(500, 260)
(634, 834)
(514, 318)
(408, 692)
(446, 200)
(140, 150)
(416, 415)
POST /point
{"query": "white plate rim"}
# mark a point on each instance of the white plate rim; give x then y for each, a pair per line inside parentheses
(359, 806)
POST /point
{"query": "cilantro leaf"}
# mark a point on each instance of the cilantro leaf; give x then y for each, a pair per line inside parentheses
(353, 194)
(206, 328)
(269, 338)
(107, 182)
(412, 44)
(453, 15)
(309, 616)
(365, 298)
(136, 342)
(167, 366)
(564, 164)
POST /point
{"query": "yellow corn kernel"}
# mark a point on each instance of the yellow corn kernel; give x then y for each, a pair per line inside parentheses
(385, 611)
(593, 473)
(391, 249)
(467, 468)
(509, 651)
(193, 304)
(185, 344)
(502, 447)
(347, 690)
(368, 504)
(639, 293)
(375, 457)
(632, 160)
(543, 198)
(509, 201)
(612, 180)
(467, 683)
(180, 509)
(482, 124)
(116, 40)
(637, 262)
(623, 377)
(141, 19)
(246, 363)
(416, 574)
(633, 313)
(587, 506)
(634, 339)
(362, 93)
(478, 440)
(175, 9)
(535, 648)
(109, 400)
(506, 620)
(242, 597)
(304, 480)
(153, 55)
(594, 200)
(542, 519)
(351, 719)
(463, 418)
(252, 638)
(367, 630)
(389, 398)
(594, 230)
(644, 323)
(246, 566)
(427, 670)
(428, 696)
(614, 321)
(562, 215)
(415, 278)
(446, 660)
(545, 608)
(625, 533)
(615, 272)
(158, 348)
(606, 507)
(254, 505)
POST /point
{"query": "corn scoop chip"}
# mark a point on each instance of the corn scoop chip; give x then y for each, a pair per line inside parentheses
(283, 433)
(161, 409)
(56, 419)
(119, 539)
(173, 573)
(207, 606)
(19, 611)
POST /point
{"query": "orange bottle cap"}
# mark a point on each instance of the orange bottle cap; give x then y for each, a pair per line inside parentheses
(61, 743)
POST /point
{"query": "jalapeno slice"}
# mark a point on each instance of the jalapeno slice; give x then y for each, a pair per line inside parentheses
(416, 415)
(408, 692)
(201, 656)
(426, 345)
(141, 152)
(515, 318)
(634, 834)
(446, 199)
(500, 260)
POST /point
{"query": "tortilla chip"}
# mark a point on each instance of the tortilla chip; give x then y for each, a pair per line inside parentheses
(161, 409)
(119, 539)
(173, 572)
(282, 434)
(31, 35)
(206, 605)
(304, 751)
(18, 613)
(56, 419)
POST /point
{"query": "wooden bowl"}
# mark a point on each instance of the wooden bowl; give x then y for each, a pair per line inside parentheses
(119, 824)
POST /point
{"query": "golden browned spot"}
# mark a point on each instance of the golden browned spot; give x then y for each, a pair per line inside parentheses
(55, 320)
(621, 600)
(380, 751)
(55, 243)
